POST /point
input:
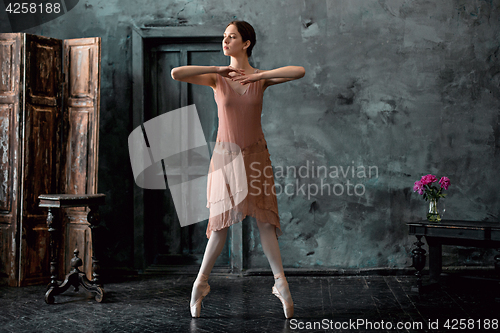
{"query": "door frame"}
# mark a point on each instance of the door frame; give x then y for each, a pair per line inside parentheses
(139, 36)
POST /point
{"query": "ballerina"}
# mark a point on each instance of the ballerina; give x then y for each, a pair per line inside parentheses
(238, 91)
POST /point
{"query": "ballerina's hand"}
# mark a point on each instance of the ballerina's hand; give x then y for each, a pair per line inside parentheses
(245, 79)
(226, 71)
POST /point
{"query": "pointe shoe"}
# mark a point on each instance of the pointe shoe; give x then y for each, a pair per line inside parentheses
(196, 307)
(287, 307)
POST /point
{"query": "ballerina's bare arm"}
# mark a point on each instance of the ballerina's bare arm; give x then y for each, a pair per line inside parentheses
(202, 75)
(273, 76)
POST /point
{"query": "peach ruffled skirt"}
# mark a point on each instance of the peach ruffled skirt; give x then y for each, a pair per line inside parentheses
(233, 194)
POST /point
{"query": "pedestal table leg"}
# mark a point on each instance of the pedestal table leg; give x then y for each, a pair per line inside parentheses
(497, 270)
(53, 285)
(497, 264)
(418, 258)
(435, 259)
(94, 220)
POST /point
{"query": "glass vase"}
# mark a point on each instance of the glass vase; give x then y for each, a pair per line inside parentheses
(433, 214)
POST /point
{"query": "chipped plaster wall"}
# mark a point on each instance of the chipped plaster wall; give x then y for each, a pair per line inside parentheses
(406, 87)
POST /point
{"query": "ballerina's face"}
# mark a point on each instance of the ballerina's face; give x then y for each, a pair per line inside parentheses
(232, 43)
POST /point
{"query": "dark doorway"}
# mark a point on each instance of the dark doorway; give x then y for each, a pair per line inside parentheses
(168, 247)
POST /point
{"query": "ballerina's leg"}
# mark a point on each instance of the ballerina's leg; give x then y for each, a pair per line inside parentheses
(212, 251)
(271, 249)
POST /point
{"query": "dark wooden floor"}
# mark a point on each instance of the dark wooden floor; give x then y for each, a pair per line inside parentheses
(245, 304)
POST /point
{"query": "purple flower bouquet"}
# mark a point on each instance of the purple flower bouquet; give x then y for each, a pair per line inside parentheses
(432, 192)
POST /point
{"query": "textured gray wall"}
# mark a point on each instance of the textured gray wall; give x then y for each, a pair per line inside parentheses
(409, 87)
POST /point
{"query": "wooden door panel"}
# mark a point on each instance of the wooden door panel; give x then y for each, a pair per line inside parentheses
(11, 46)
(162, 227)
(81, 71)
(81, 63)
(41, 152)
(44, 70)
(10, 62)
(42, 114)
(80, 141)
(170, 98)
(39, 179)
(7, 265)
(7, 222)
(40, 156)
(77, 153)
(6, 117)
(35, 251)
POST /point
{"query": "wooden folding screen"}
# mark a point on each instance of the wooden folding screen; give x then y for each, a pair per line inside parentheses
(80, 136)
(49, 112)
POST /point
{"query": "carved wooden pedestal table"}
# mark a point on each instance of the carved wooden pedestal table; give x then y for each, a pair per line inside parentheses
(76, 277)
(450, 232)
